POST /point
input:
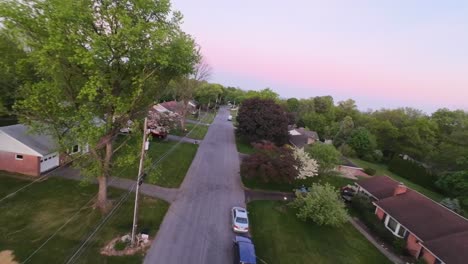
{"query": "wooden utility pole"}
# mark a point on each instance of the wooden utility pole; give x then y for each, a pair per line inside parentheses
(144, 147)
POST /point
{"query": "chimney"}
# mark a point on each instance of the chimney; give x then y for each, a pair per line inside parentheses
(400, 189)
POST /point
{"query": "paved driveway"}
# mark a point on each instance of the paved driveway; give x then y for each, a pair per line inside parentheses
(196, 228)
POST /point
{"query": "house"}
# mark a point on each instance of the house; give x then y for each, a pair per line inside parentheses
(431, 231)
(299, 137)
(30, 154)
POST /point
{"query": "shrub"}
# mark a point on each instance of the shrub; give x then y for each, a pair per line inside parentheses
(454, 184)
(271, 163)
(322, 205)
(347, 151)
(326, 155)
(414, 172)
(400, 246)
(120, 245)
(370, 171)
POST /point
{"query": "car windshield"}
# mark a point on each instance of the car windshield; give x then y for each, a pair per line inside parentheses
(241, 220)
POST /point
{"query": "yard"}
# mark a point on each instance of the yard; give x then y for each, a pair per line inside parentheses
(382, 169)
(280, 237)
(206, 117)
(333, 180)
(196, 131)
(172, 168)
(243, 146)
(28, 219)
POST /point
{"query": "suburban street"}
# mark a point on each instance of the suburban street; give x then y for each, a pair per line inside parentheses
(196, 229)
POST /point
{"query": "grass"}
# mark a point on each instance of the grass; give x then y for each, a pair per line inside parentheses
(198, 132)
(280, 237)
(243, 146)
(206, 117)
(172, 168)
(30, 217)
(333, 180)
(382, 169)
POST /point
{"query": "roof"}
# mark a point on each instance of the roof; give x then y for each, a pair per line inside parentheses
(171, 105)
(246, 250)
(450, 249)
(308, 133)
(379, 186)
(298, 140)
(41, 143)
(413, 210)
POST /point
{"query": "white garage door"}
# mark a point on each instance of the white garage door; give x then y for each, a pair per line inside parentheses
(49, 162)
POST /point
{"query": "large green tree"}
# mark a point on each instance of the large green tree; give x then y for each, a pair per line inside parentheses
(326, 155)
(101, 64)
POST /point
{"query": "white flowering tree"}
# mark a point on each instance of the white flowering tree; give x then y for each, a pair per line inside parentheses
(309, 167)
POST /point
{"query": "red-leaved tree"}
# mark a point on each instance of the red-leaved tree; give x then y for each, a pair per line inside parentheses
(271, 163)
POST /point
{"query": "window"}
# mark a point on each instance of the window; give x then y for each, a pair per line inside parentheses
(75, 149)
(402, 231)
(19, 157)
(392, 224)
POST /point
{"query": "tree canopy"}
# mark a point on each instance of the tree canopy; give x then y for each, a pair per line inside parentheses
(101, 63)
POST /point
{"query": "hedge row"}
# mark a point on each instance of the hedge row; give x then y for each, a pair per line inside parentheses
(414, 172)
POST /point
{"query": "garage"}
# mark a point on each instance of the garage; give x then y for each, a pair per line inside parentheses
(50, 161)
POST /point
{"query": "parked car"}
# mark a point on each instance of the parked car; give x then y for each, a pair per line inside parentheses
(244, 251)
(303, 190)
(347, 192)
(230, 118)
(240, 221)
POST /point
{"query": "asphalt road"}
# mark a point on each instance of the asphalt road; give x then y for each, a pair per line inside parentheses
(197, 228)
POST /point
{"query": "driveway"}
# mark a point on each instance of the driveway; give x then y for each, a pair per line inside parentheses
(196, 229)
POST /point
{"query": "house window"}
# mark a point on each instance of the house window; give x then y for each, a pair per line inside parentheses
(395, 227)
(392, 224)
(19, 157)
(75, 149)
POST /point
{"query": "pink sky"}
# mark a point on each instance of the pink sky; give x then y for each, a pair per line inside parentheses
(388, 54)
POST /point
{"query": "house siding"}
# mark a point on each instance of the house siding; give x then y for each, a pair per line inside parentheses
(412, 245)
(29, 165)
(380, 214)
(428, 257)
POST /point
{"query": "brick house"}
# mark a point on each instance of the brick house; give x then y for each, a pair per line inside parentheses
(431, 231)
(29, 154)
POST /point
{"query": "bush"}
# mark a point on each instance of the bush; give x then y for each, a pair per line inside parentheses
(454, 184)
(414, 172)
(322, 205)
(326, 155)
(347, 151)
(370, 171)
(120, 245)
(400, 246)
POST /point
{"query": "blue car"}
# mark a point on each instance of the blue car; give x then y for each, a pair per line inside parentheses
(244, 251)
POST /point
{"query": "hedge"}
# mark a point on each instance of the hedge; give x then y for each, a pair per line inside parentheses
(414, 172)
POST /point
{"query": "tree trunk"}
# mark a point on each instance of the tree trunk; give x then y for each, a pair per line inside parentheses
(184, 114)
(102, 203)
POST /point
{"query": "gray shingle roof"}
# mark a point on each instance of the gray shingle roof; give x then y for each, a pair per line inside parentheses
(41, 143)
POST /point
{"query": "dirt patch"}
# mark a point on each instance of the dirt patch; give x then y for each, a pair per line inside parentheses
(109, 249)
(7, 257)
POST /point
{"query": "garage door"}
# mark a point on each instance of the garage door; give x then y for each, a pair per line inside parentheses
(49, 162)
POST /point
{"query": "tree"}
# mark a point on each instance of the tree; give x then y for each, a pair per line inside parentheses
(262, 119)
(271, 163)
(308, 167)
(454, 184)
(208, 93)
(322, 205)
(362, 141)
(346, 128)
(185, 87)
(292, 105)
(326, 155)
(101, 64)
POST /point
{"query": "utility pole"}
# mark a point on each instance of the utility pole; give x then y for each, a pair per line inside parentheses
(144, 147)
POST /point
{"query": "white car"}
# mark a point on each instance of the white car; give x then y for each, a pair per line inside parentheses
(230, 118)
(240, 221)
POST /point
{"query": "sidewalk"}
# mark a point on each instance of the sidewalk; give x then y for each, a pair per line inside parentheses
(166, 194)
(390, 255)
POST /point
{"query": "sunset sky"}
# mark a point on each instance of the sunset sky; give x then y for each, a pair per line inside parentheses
(380, 53)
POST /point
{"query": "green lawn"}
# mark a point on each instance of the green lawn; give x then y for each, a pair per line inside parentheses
(257, 184)
(280, 237)
(206, 117)
(382, 169)
(29, 218)
(243, 146)
(172, 168)
(198, 132)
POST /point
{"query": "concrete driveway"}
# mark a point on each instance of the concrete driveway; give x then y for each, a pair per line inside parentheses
(196, 228)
